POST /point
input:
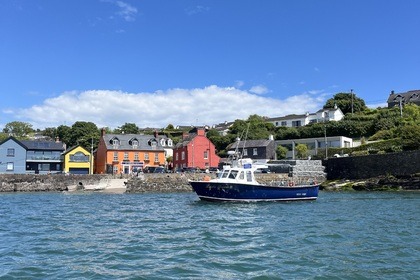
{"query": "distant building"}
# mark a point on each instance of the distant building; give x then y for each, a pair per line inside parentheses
(314, 144)
(77, 160)
(327, 114)
(30, 156)
(127, 153)
(397, 99)
(12, 157)
(260, 151)
(195, 150)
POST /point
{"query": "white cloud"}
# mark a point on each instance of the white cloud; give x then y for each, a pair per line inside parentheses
(196, 10)
(260, 89)
(125, 10)
(198, 106)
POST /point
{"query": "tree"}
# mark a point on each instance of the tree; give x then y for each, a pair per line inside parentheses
(255, 127)
(83, 133)
(301, 151)
(410, 136)
(17, 129)
(128, 128)
(281, 152)
(64, 134)
(347, 102)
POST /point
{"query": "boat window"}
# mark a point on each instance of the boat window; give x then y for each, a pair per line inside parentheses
(241, 175)
(233, 174)
(224, 174)
(249, 176)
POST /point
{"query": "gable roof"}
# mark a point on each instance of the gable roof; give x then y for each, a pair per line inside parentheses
(75, 147)
(406, 97)
(250, 144)
(126, 140)
(43, 145)
(12, 138)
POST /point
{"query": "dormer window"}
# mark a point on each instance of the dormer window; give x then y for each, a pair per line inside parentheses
(134, 143)
(153, 143)
(162, 142)
(414, 96)
(170, 142)
(115, 142)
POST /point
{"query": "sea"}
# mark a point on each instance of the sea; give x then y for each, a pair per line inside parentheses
(91, 235)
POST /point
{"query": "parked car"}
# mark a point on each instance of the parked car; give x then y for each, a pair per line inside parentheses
(159, 169)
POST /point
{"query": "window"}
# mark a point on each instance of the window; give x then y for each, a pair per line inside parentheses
(125, 155)
(135, 144)
(146, 156)
(170, 143)
(9, 166)
(283, 123)
(182, 155)
(296, 123)
(10, 152)
(176, 156)
(136, 156)
(206, 154)
(115, 156)
(255, 151)
(79, 157)
(245, 152)
(249, 176)
(156, 157)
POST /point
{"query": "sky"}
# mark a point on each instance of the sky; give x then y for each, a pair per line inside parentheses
(198, 62)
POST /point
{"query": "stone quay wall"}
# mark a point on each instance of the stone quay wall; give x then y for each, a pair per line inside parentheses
(364, 167)
(42, 183)
(178, 182)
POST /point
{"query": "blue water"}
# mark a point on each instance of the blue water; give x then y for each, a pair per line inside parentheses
(353, 235)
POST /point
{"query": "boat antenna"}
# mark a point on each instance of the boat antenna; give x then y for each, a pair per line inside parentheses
(246, 136)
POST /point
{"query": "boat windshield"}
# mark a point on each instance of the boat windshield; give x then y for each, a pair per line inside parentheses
(232, 174)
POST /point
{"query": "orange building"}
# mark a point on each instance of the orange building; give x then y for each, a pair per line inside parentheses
(127, 153)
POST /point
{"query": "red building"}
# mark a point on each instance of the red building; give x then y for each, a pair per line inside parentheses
(195, 150)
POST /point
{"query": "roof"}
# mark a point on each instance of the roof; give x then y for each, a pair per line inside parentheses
(407, 97)
(15, 140)
(250, 144)
(75, 147)
(43, 145)
(125, 142)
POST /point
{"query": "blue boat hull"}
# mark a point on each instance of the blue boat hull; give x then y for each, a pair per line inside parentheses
(216, 191)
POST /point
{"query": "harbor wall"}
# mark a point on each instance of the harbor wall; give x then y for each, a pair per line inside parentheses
(364, 167)
(39, 183)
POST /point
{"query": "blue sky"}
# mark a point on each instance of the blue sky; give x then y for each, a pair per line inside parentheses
(191, 62)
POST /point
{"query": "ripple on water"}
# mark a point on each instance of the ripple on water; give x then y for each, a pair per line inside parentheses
(173, 236)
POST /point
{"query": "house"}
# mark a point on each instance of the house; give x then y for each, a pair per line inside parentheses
(12, 157)
(77, 160)
(127, 153)
(314, 144)
(195, 150)
(261, 151)
(43, 157)
(223, 128)
(400, 99)
(322, 115)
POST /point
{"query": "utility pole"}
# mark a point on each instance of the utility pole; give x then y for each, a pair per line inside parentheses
(91, 157)
(351, 92)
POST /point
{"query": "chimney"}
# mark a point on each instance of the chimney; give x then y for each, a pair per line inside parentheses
(200, 131)
(185, 135)
(103, 131)
(57, 139)
(392, 92)
(155, 134)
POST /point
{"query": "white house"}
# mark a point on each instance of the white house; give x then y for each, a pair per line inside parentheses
(322, 115)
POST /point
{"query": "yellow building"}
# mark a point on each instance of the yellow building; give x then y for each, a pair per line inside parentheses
(78, 160)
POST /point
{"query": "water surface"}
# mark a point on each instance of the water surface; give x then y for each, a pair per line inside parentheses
(353, 235)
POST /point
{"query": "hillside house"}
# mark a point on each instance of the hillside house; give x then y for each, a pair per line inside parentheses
(195, 150)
